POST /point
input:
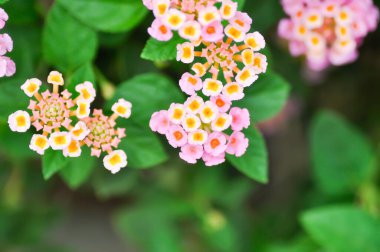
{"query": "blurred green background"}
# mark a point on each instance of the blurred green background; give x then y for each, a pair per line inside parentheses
(312, 185)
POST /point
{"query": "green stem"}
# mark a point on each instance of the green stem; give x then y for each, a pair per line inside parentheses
(12, 194)
(107, 88)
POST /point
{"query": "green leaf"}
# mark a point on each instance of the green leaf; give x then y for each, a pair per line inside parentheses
(52, 162)
(21, 12)
(300, 244)
(155, 50)
(341, 155)
(12, 98)
(219, 232)
(81, 74)
(148, 93)
(155, 218)
(254, 163)
(343, 229)
(67, 43)
(14, 144)
(240, 4)
(266, 13)
(143, 147)
(266, 97)
(26, 51)
(3, 1)
(78, 170)
(107, 15)
(107, 185)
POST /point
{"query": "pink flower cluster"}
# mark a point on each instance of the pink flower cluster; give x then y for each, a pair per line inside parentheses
(7, 66)
(65, 124)
(225, 59)
(327, 32)
(192, 19)
(200, 129)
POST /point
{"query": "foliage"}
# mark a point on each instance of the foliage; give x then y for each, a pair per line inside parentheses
(289, 193)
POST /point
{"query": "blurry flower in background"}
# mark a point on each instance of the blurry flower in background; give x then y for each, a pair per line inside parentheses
(64, 124)
(281, 121)
(7, 66)
(200, 129)
(327, 32)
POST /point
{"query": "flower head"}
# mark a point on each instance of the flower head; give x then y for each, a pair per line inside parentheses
(103, 136)
(201, 129)
(64, 124)
(327, 32)
(230, 59)
(51, 114)
(192, 19)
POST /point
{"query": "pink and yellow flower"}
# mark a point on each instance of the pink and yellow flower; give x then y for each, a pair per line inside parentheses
(52, 114)
(193, 19)
(230, 60)
(201, 129)
(64, 124)
(103, 136)
(327, 32)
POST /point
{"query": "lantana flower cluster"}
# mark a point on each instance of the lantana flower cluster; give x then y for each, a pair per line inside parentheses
(327, 32)
(65, 124)
(192, 19)
(202, 129)
(7, 65)
(225, 59)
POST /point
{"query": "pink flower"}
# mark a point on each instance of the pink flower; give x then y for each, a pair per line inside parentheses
(160, 31)
(3, 18)
(213, 32)
(176, 136)
(222, 103)
(216, 144)
(201, 128)
(327, 32)
(52, 114)
(148, 4)
(211, 160)
(6, 44)
(7, 66)
(190, 84)
(240, 119)
(237, 144)
(242, 20)
(160, 122)
(191, 153)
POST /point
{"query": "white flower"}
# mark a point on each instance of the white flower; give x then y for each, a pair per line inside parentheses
(83, 109)
(221, 122)
(39, 144)
(59, 140)
(115, 161)
(212, 87)
(19, 121)
(87, 91)
(80, 131)
(122, 108)
(176, 113)
(208, 112)
(31, 86)
(198, 137)
(73, 150)
(56, 78)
